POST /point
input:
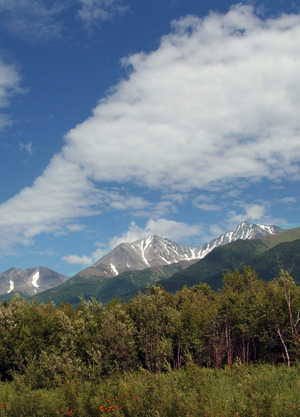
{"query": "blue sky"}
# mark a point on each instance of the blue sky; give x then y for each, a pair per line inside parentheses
(125, 118)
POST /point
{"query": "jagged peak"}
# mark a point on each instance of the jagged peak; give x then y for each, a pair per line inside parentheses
(153, 250)
(150, 237)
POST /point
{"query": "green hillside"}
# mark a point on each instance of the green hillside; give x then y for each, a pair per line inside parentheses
(104, 289)
(256, 253)
(285, 256)
(266, 255)
(8, 297)
(211, 268)
(289, 235)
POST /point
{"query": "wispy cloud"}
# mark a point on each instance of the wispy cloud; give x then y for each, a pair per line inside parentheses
(206, 203)
(33, 19)
(202, 108)
(95, 12)
(165, 228)
(218, 102)
(78, 260)
(251, 212)
(9, 86)
(28, 147)
(36, 20)
(84, 259)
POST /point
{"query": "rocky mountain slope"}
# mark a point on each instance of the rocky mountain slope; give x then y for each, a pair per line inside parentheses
(29, 282)
(157, 251)
(128, 267)
(266, 256)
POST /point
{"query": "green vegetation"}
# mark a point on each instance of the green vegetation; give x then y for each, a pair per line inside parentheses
(267, 256)
(193, 353)
(104, 289)
(244, 391)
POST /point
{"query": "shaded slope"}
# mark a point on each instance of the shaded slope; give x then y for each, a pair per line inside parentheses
(104, 289)
(266, 262)
(211, 268)
(173, 277)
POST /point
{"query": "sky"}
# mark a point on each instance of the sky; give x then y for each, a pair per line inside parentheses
(121, 119)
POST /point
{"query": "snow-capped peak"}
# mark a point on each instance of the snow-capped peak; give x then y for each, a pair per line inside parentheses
(154, 250)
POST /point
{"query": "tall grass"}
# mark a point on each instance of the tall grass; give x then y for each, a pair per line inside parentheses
(245, 391)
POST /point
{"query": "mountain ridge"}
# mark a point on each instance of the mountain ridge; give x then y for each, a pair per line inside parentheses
(260, 254)
(265, 258)
(132, 266)
(30, 281)
(154, 251)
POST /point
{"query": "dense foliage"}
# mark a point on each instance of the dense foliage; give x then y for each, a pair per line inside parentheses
(249, 319)
(46, 349)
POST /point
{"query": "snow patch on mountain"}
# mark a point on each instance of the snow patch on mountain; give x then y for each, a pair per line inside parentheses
(114, 269)
(11, 286)
(155, 251)
(35, 278)
(30, 281)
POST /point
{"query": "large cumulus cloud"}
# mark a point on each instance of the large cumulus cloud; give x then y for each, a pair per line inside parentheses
(217, 102)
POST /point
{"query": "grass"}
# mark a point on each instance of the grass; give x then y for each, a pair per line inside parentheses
(244, 391)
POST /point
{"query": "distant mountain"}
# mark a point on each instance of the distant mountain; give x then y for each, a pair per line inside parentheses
(130, 267)
(104, 289)
(157, 251)
(29, 282)
(267, 256)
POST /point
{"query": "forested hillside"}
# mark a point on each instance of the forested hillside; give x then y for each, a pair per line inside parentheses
(266, 255)
(249, 319)
(158, 352)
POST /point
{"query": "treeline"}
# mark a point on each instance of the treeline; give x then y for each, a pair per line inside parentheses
(248, 321)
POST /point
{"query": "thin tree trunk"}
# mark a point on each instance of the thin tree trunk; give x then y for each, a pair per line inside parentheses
(284, 345)
(254, 349)
(228, 344)
(248, 351)
(293, 323)
(244, 350)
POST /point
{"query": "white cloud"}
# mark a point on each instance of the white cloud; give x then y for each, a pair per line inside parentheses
(251, 213)
(77, 260)
(117, 200)
(28, 147)
(61, 194)
(33, 19)
(36, 20)
(165, 228)
(85, 260)
(94, 12)
(215, 230)
(206, 203)
(217, 103)
(288, 200)
(9, 85)
(210, 105)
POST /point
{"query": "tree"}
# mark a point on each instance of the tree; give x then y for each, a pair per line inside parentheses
(196, 306)
(241, 309)
(292, 299)
(156, 321)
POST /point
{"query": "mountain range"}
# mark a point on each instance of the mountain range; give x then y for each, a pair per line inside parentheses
(267, 256)
(155, 251)
(29, 282)
(132, 266)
